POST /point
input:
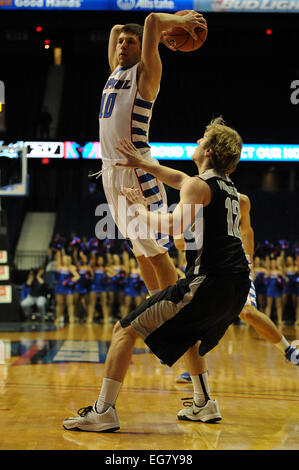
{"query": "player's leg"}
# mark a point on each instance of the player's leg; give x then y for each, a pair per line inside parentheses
(261, 323)
(158, 272)
(164, 269)
(266, 329)
(201, 407)
(102, 415)
(148, 274)
(157, 269)
(120, 352)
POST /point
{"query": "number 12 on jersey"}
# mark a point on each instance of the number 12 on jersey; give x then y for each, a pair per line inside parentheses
(107, 105)
(233, 217)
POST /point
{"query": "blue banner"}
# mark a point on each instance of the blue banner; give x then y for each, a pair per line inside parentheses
(121, 5)
(241, 6)
(250, 152)
(159, 150)
(247, 6)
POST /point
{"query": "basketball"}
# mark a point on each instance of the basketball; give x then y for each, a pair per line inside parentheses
(182, 40)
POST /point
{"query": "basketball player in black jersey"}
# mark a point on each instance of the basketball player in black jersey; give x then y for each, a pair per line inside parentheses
(199, 307)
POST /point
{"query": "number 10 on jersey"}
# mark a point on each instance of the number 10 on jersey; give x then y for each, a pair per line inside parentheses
(107, 105)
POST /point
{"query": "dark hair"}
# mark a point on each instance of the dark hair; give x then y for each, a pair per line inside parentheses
(133, 28)
(226, 145)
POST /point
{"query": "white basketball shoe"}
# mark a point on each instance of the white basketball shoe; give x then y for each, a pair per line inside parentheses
(89, 419)
(209, 413)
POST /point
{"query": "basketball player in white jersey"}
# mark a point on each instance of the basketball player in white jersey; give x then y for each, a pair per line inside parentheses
(125, 112)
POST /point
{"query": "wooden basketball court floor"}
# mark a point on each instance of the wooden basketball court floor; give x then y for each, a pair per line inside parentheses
(46, 376)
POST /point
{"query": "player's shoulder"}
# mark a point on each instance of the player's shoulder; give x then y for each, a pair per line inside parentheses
(194, 183)
(244, 200)
(197, 188)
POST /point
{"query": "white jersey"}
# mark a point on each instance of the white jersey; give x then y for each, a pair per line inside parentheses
(123, 114)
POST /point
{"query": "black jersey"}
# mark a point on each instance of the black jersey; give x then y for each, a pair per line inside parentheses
(217, 247)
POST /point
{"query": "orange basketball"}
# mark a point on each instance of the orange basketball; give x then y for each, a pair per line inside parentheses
(182, 40)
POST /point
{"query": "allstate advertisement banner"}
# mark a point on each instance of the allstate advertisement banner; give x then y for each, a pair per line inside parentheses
(243, 6)
(121, 5)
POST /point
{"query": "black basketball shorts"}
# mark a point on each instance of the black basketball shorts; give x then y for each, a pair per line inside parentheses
(198, 308)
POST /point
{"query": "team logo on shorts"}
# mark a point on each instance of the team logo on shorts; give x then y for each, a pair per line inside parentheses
(126, 4)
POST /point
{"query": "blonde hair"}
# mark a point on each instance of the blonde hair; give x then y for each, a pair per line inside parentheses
(225, 143)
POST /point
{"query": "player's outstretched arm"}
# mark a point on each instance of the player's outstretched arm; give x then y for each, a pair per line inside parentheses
(113, 38)
(150, 68)
(194, 194)
(169, 176)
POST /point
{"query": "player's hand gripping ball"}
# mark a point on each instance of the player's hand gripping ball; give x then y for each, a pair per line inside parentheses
(180, 39)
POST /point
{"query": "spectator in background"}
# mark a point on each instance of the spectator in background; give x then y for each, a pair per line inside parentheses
(133, 285)
(67, 277)
(289, 270)
(260, 283)
(83, 285)
(275, 288)
(34, 293)
(297, 288)
(99, 288)
(45, 120)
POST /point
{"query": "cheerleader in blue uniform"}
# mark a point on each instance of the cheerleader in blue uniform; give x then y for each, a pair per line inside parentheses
(67, 277)
(117, 281)
(260, 283)
(143, 291)
(297, 290)
(99, 288)
(290, 285)
(274, 289)
(82, 286)
(133, 286)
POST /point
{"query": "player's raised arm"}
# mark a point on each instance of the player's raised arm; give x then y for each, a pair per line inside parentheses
(194, 194)
(150, 69)
(113, 38)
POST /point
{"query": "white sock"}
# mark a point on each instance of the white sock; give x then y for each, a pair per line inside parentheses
(154, 291)
(201, 388)
(283, 344)
(108, 394)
